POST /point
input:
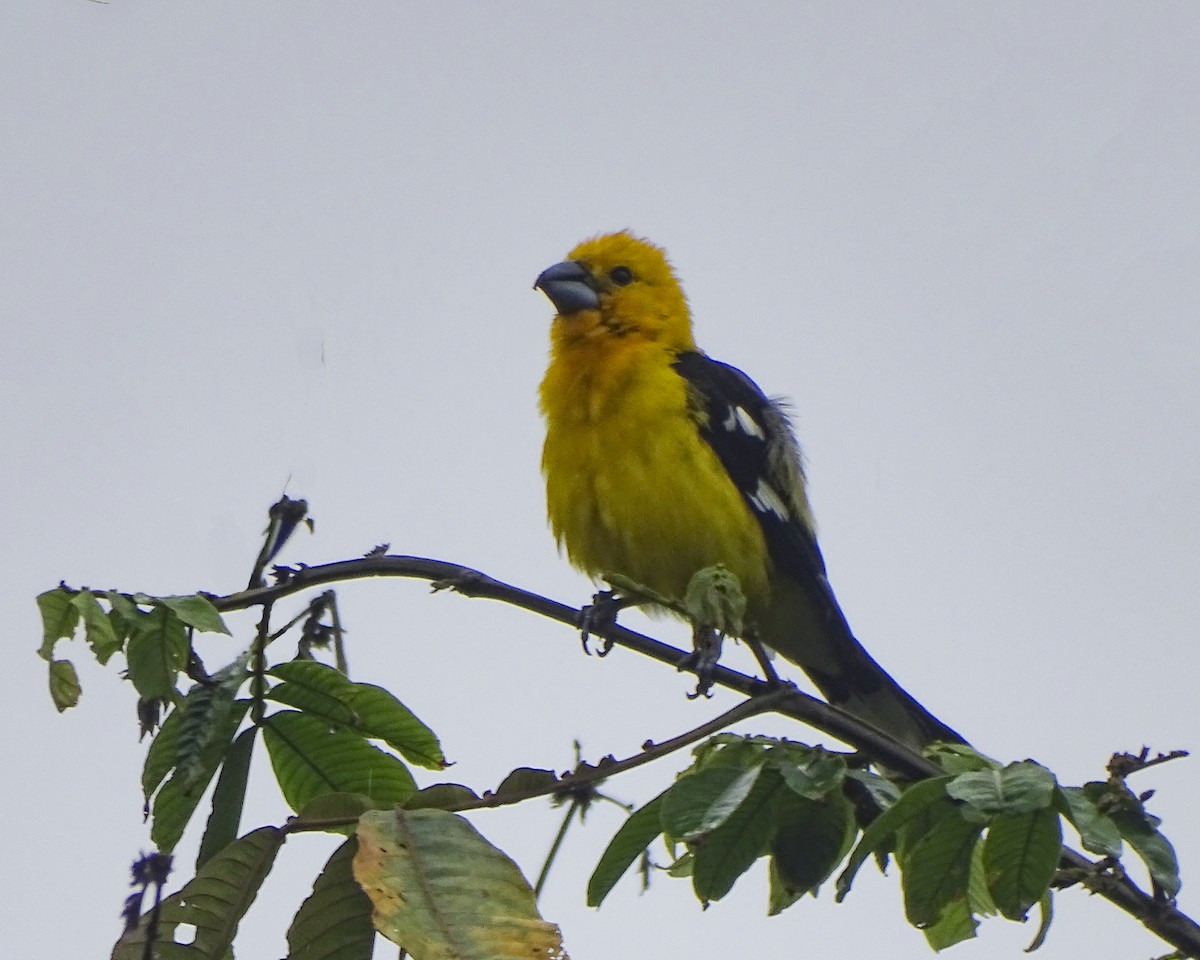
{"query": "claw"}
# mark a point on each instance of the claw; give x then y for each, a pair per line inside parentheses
(597, 617)
(702, 661)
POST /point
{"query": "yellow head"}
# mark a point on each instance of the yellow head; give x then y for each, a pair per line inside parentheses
(618, 286)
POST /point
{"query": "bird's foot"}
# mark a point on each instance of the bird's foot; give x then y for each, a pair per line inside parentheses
(598, 616)
(702, 661)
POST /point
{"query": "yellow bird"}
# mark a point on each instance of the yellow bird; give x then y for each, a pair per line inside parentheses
(660, 462)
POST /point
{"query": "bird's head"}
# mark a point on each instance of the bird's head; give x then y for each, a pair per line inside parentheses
(617, 285)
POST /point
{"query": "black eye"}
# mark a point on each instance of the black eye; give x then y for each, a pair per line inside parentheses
(621, 276)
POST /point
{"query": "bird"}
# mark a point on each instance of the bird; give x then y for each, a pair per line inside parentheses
(660, 462)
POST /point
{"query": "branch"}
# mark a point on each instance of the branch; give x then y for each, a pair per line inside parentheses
(1159, 916)
(473, 583)
(584, 773)
(1123, 765)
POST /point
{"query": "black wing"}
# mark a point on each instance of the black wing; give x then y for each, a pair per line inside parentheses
(753, 439)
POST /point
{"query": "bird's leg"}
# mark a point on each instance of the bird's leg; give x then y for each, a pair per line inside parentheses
(599, 615)
(702, 661)
(763, 656)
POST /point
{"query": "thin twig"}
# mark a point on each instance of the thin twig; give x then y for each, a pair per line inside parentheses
(258, 665)
(1122, 765)
(339, 637)
(554, 848)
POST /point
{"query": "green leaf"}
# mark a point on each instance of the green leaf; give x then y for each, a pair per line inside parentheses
(523, 781)
(1140, 828)
(681, 868)
(627, 844)
(935, 871)
(196, 611)
(334, 922)
(213, 903)
(730, 849)
(979, 897)
(204, 710)
(1046, 909)
(731, 750)
(157, 651)
(59, 618)
(814, 775)
(1096, 829)
(160, 758)
(228, 798)
(955, 925)
(912, 804)
(124, 608)
(339, 806)
(723, 805)
(924, 821)
(1018, 788)
(320, 690)
(178, 798)
(102, 636)
(811, 838)
(64, 684)
(1020, 855)
(441, 890)
(879, 789)
(1137, 827)
(690, 801)
(442, 796)
(311, 759)
(957, 758)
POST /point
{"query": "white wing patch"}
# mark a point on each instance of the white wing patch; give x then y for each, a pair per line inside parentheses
(766, 500)
(740, 419)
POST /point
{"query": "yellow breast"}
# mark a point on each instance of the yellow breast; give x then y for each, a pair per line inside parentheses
(631, 486)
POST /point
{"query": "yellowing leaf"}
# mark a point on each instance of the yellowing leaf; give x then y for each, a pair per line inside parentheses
(442, 892)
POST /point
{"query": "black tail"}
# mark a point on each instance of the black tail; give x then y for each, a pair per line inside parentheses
(806, 625)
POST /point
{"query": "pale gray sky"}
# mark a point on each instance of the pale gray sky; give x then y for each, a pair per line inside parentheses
(290, 245)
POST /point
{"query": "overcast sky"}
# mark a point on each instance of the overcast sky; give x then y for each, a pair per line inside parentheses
(250, 248)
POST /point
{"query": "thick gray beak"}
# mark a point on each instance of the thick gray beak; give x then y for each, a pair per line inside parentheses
(569, 286)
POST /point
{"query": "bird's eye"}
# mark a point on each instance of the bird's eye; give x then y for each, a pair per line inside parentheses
(621, 276)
